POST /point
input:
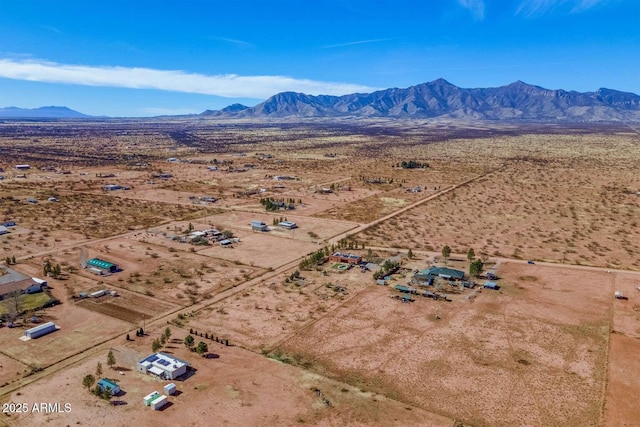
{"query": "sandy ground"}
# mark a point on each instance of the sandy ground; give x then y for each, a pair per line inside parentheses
(538, 345)
(263, 315)
(11, 369)
(236, 388)
(623, 388)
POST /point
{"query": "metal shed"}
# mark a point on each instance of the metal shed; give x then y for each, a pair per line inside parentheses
(40, 330)
(170, 389)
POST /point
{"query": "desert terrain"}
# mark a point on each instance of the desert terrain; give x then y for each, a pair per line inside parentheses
(293, 337)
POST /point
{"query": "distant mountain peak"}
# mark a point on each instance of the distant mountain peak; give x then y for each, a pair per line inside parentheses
(47, 112)
(440, 98)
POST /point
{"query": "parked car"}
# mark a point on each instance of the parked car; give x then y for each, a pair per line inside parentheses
(530, 262)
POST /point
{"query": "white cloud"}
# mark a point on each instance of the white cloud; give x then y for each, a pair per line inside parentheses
(533, 8)
(226, 85)
(354, 43)
(239, 43)
(475, 6)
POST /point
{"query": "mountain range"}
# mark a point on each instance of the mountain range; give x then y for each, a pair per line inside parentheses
(517, 101)
(439, 98)
(51, 112)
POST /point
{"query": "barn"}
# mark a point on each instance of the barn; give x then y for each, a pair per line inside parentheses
(102, 265)
(40, 330)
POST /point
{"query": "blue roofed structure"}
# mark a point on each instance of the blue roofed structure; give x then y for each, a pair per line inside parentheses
(103, 265)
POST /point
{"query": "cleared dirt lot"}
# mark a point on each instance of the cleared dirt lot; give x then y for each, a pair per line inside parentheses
(539, 345)
(261, 316)
(236, 388)
(623, 388)
(79, 329)
(11, 369)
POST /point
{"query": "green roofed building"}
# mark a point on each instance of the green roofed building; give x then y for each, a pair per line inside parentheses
(103, 265)
(444, 272)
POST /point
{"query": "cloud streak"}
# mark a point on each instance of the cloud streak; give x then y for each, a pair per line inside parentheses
(476, 7)
(357, 42)
(534, 8)
(225, 85)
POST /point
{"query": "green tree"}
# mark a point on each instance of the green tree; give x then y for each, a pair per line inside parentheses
(476, 268)
(202, 348)
(106, 393)
(46, 269)
(155, 345)
(471, 254)
(446, 252)
(8, 261)
(410, 254)
(189, 342)
(13, 259)
(111, 359)
(167, 333)
(163, 340)
(88, 381)
(98, 370)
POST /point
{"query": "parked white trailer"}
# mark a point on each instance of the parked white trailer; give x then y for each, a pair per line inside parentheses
(98, 294)
(159, 402)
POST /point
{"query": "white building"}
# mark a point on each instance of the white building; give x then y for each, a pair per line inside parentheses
(163, 365)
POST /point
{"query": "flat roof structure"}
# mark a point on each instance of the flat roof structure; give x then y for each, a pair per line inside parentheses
(163, 365)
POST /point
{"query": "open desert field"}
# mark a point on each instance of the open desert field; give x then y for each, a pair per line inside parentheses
(263, 315)
(550, 347)
(11, 369)
(562, 199)
(539, 345)
(236, 387)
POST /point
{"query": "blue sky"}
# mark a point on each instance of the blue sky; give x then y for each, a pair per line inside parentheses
(144, 58)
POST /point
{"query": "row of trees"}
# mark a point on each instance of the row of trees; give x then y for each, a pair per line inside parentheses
(386, 268)
(314, 259)
(476, 266)
(158, 343)
(412, 164)
(201, 348)
(52, 270)
(277, 221)
(271, 204)
(89, 380)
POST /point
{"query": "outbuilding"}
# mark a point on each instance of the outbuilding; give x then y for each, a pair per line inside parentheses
(159, 402)
(103, 265)
(150, 398)
(259, 226)
(170, 389)
(107, 384)
(288, 225)
(491, 285)
(40, 330)
(3, 230)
